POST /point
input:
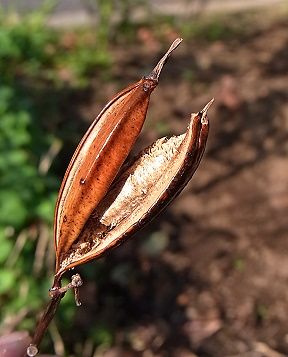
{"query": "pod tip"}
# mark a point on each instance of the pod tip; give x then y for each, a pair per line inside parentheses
(204, 111)
(154, 75)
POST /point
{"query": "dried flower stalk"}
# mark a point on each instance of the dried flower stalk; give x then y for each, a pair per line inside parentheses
(98, 207)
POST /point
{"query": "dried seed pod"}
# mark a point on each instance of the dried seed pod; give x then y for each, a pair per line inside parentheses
(96, 211)
(99, 156)
(156, 176)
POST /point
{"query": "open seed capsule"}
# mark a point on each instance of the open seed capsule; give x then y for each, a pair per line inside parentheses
(153, 179)
(99, 156)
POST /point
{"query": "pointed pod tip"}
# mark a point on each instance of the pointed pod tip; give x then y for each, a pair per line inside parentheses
(155, 74)
(204, 111)
(175, 43)
(207, 106)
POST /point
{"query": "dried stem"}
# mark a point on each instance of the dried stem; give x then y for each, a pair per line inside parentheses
(56, 293)
(43, 324)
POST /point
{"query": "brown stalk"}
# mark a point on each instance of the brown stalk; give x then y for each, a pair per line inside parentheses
(43, 324)
(56, 296)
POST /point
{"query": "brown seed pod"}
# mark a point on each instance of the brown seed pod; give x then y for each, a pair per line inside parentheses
(153, 179)
(99, 156)
(96, 209)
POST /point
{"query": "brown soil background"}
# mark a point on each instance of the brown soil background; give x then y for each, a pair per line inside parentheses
(209, 276)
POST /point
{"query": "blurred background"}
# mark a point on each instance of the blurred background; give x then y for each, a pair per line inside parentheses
(209, 276)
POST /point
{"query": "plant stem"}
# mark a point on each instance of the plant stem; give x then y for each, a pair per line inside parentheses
(43, 324)
(56, 293)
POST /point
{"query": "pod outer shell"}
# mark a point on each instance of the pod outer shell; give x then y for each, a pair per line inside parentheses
(97, 160)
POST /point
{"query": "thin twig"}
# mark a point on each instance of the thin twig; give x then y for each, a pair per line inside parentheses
(43, 324)
(11, 321)
(18, 246)
(47, 160)
(59, 347)
(41, 248)
(56, 294)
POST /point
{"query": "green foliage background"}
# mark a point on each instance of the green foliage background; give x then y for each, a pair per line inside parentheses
(39, 68)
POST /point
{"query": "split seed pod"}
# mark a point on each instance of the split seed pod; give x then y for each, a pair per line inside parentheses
(143, 189)
(99, 156)
(99, 206)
